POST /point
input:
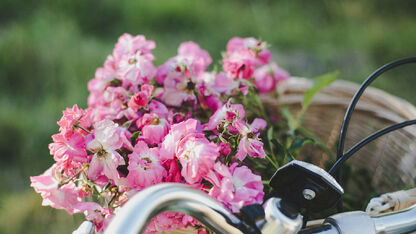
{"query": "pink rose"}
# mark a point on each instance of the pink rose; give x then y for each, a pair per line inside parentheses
(145, 168)
(64, 197)
(235, 186)
(250, 143)
(68, 149)
(72, 117)
(95, 213)
(259, 48)
(154, 129)
(105, 141)
(136, 69)
(165, 222)
(139, 100)
(227, 113)
(197, 156)
(268, 76)
(225, 148)
(240, 64)
(200, 59)
(127, 44)
(176, 134)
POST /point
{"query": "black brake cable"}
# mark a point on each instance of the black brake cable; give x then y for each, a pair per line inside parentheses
(341, 157)
(365, 141)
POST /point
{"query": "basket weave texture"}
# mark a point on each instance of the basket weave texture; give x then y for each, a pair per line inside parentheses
(390, 160)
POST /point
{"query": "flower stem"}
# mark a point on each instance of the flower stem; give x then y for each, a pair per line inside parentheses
(319, 143)
(81, 127)
(272, 162)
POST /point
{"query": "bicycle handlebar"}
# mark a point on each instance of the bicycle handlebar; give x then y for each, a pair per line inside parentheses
(139, 210)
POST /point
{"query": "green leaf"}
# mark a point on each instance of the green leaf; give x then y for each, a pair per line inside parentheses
(289, 157)
(299, 142)
(134, 137)
(280, 151)
(269, 137)
(115, 82)
(270, 133)
(318, 84)
(291, 121)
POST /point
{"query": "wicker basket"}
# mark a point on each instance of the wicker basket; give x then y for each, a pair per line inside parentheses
(390, 160)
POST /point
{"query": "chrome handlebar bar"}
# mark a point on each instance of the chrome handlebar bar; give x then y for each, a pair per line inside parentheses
(140, 209)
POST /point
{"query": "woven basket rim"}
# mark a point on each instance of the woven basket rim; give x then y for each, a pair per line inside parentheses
(374, 101)
(382, 98)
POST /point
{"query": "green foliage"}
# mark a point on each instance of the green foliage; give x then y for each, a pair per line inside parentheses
(23, 213)
(299, 142)
(318, 84)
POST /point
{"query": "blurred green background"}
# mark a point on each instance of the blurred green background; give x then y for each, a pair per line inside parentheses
(49, 49)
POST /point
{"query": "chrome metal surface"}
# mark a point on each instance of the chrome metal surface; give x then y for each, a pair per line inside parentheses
(308, 194)
(277, 222)
(133, 217)
(352, 222)
(86, 227)
(403, 221)
(140, 209)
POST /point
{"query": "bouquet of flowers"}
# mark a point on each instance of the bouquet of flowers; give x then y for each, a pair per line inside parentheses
(177, 122)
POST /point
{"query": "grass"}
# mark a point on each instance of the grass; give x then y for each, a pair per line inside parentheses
(49, 51)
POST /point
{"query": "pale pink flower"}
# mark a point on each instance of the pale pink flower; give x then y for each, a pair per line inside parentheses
(227, 113)
(250, 143)
(158, 108)
(197, 156)
(141, 98)
(154, 129)
(164, 70)
(191, 61)
(128, 44)
(71, 118)
(268, 76)
(68, 149)
(175, 135)
(125, 136)
(64, 197)
(104, 145)
(235, 186)
(238, 43)
(258, 47)
(165, 222)
(224, 84)
(179, 74)
(95, 213)
(240, 64)
(145, 168)
(103, 77)
(137, 68)
(178, 90)
(200, 59)
(116, 99)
